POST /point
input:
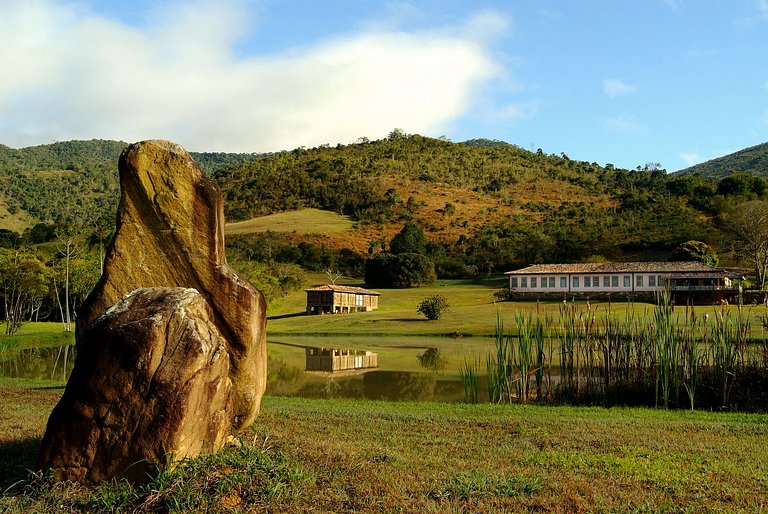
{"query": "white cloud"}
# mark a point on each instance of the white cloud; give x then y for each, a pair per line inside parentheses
(622, 123)
(674, 4)
(759, 15)
(614, 87)
(72, 74)
(516, 111)
(691, 158)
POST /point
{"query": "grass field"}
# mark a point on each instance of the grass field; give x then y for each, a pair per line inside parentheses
(473, 312)
(305, 221)
(361, 456)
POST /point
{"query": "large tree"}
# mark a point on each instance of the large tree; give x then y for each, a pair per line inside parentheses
(748, 227)
(695, 251)
(23, 284)
(410, 239)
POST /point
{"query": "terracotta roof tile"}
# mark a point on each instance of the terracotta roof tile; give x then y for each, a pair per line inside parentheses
(619, 267)
(343, 289)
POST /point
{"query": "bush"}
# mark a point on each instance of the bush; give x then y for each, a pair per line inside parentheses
(433, 307)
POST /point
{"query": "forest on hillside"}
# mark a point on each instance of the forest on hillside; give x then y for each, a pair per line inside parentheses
(753, 160)
(71, 181)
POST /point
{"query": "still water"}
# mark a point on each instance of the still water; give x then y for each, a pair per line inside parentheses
(39, 363)
(400, 374)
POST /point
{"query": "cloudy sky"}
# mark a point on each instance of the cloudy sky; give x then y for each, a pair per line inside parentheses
(620, 81)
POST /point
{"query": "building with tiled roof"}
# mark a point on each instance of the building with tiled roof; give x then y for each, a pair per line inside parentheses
(331, 299)
(686, 278)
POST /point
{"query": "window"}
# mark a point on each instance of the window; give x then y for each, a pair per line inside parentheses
(563, 282)
(606, 281)
(587, 281)
(627, 281)
(524, 282)
(595, 281)
(575, 281)
(551, 281)
(359, 300)
(651, 280)
(513, 282)
(614, 281)
(543, 281)
(661, 281)
(639, 280)
(533, 281)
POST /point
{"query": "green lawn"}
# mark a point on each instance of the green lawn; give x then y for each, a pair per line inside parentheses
(35, 335)
(473, 312)
(362, 456)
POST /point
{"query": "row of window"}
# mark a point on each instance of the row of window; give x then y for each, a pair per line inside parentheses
(589, 281)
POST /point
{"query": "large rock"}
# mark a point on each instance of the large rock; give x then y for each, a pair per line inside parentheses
(170, 233)
(166, 372)
(151, 389)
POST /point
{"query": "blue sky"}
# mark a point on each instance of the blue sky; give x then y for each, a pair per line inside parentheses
(611, 81)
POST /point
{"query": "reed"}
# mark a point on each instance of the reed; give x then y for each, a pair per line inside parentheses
(664, 358)
(470, 379)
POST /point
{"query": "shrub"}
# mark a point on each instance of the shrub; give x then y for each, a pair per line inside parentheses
(433, 307)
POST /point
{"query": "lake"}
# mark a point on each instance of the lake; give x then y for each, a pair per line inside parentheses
(400, 375)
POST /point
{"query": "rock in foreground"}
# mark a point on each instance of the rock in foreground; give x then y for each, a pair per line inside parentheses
(179, 364)
(170, 233)
(150, 387)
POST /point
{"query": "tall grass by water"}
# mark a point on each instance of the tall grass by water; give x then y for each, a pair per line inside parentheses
(667, 358)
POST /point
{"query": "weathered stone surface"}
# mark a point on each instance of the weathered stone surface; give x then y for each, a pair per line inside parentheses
(170, 233)
(150, 387)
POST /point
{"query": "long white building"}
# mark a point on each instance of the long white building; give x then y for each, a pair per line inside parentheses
(622, 278)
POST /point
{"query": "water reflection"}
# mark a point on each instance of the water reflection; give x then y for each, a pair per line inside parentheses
(285, 377)
(39, 363)
(382, 385)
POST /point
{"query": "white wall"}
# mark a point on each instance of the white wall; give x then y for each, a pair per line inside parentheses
(634, 285)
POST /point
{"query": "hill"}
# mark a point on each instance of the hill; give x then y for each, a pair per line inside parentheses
(483, 204)
(70, 180)
(752, 160)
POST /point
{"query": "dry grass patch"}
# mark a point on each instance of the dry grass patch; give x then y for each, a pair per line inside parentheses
(304, 221)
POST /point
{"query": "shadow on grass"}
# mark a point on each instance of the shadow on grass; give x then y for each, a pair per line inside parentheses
(399, 320)
(291, 315)
(17, 460)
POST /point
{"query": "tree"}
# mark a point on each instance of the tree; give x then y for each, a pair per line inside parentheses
(410, 239)
(433, 307)
(67, 247)
(695, 251)
(748, 226)
(403, 270)
(23, 284)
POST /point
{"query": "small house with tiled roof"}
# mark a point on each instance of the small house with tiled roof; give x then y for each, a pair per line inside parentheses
(332, 299)
(635, 279)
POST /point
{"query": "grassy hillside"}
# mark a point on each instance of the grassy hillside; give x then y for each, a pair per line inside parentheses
(485, 204)
(750, 160)
(304, 221)
(362, 456)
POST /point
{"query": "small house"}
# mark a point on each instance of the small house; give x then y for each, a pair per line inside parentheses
(332, 299)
